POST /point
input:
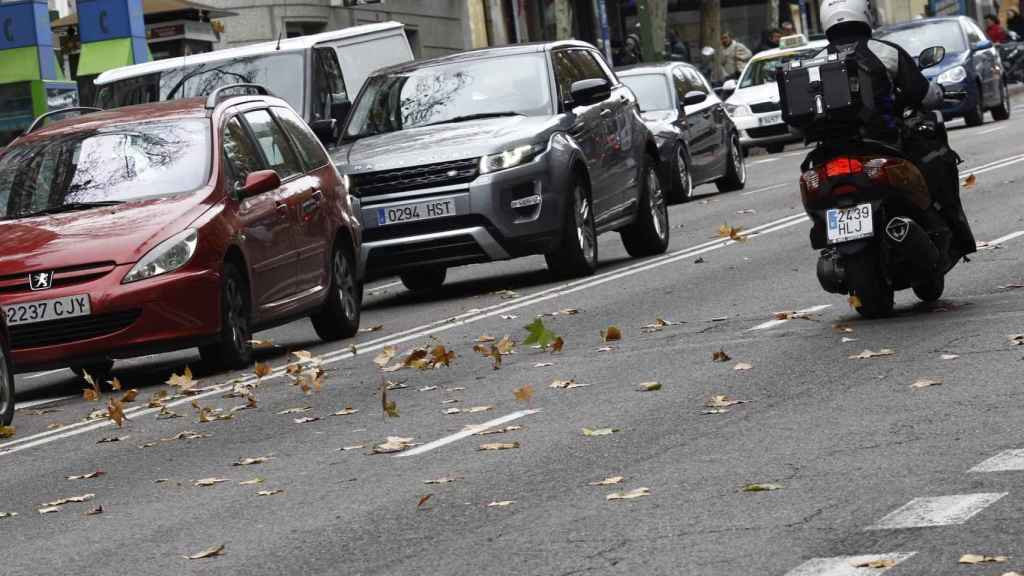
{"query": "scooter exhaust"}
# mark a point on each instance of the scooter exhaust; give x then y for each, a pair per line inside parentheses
(911, 246)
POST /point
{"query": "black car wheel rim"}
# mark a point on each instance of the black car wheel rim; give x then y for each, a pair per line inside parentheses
(346, 285)
(584, 231)
(237, 318)
(737, 161)
(5, 393)
(684, 174)
(659, 215)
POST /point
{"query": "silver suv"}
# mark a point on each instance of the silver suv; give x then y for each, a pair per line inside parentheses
(499, 153)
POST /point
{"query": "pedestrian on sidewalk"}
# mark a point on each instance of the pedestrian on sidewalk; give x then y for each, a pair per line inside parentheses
(770, 39)
(1014, 22)
(994, 30)
(734, 56)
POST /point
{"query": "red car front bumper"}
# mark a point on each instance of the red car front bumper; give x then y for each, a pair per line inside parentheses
(170, 312)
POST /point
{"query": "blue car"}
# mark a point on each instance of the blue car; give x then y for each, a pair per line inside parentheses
(971, 65)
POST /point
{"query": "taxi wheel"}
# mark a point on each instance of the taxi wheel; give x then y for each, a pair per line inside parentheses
(339, 318)
(234, 350)
(6, 391)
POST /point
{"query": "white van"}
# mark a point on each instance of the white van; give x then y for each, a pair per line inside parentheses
(319, 74)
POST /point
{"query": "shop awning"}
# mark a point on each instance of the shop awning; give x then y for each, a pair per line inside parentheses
(97, 57)
(19, 64)
(150, 7)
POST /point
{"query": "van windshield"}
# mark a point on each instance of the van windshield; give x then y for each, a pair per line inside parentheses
(281, 73)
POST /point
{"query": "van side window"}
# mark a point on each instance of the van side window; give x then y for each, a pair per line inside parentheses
(277, 150)
(312, 152)
(329, 83)
(240, 152)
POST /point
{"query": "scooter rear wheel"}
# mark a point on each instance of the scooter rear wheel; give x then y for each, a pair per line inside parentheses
(931, 290)
(875, 295)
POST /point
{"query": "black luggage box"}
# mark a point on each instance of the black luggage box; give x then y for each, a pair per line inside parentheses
(821, 96)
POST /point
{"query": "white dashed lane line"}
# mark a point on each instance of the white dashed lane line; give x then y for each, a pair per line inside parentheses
(798, 313)
(765, 189)
(1005, 461)
(937, 511)
(990, 130)
(41, 402)
(850, 565)
(467, 432)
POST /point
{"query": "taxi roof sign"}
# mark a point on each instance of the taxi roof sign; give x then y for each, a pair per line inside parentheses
(792, 41)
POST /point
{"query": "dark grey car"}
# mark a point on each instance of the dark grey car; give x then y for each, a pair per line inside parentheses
(499, 153)
(697, 140)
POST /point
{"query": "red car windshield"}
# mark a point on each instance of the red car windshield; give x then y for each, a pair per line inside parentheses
(109, 165)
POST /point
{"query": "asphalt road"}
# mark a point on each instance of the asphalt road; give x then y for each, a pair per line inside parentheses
(867, 467)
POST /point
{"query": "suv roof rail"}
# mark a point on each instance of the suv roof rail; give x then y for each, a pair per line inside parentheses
(38, 122)
(211, 101)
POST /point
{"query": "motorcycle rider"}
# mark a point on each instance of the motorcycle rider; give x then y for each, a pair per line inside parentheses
(900, 86)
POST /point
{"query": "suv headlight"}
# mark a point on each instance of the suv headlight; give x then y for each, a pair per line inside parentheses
(511, 158)
(735, 110)
(167, 256)
(952, 76)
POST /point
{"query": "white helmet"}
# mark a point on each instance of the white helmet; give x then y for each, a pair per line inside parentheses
(835, 12)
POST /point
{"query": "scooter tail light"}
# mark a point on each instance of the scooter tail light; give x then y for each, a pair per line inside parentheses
(810, 185)
(843, 166)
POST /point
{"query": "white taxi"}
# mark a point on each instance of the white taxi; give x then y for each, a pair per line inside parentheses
(754, 102)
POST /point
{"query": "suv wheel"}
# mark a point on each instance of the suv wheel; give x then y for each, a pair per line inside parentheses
(735, 171)
(6, 391)
(424, 279)
(339, 317)
(234, 350)
(648, 234)
(577, 255)
(682, 188)
(1002, 112)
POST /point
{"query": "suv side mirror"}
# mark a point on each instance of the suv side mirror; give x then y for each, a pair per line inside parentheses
(259, 182)
(325, 130)
(930, 57)
(590, 91)
(726, 89)
(694, 97)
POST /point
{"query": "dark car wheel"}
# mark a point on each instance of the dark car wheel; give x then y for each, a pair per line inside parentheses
(577, 255)
(1002, 112)
(735, 170)
(234, 348)
(6, 391)
(682, 185)
(98, 371)
(648, 234)
(976, 117)
(339, 317)
(424, 279)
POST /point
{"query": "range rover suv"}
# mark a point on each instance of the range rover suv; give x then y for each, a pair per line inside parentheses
(498, 153)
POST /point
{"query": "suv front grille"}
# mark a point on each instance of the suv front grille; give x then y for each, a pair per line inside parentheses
(415, 177)
(70, 329)
(449, 251)
(762, 107)
(14, 283)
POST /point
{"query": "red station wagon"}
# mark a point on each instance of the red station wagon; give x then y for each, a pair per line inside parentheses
(172, 225)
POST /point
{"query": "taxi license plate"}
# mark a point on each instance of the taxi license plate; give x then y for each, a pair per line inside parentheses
(416, 211)
(770, 119)
(846, 224)
(46, 310)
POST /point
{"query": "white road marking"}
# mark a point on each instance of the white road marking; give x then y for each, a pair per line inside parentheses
(847, 565)
(777, 322)
(937, 511)
(993, 165)
(469, 431)
(41, 402)
(1005, 461)
(990, 130)
(797, 153)
(472, 316)
(1006, 238)
(765, 189)
(764, 161)
(384, 286)
(42, 374)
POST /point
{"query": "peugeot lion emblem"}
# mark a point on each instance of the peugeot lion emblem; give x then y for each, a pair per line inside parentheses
(40, 280)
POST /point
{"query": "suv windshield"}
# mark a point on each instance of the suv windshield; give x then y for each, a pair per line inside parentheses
(453, 92)
(651, 90)
(108, 165)
(917, 38)
(763, 69)
(280, 73)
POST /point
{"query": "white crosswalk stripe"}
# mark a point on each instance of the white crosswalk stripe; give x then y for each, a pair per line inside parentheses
(1005, 461)
(850, 565)
(937, 511)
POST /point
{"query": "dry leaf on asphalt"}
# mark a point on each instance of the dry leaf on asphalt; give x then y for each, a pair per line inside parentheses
(504, 430)
(499, 446)
(501, 503)
(842, 328)
(346, 411)
(476, 409)
(1016, 339)
(722, 401)
(608, 481)
(115, 411)
(389, 407)
(557, 345)
(970, 181)
(742, 366)
(115, 384)
(566, 384)
(384, 357)
(484, 338)
(715, 411)
(70, 500)
(867, 354)
(204, 482)
(611, 334)
(441, 356)
(658, 325)
(88, 476)
(306, 420)
(731, 232)
(376, 328)
(649, 386)
(7, 431)
(90, 395)
(130, 395)
(208, 553)
(393, 444)
(600, 431)
(847, 339)
(949, 356)
(7, 515)
(49, 509)
(606, 349)
(523, 394)
(925, 382)
(761, 487)
(877, 563)
(261, 344)
(110, 439)
(543, 365)
(452, 411)
(262, 369)
(273, 492)
(980, 559)
(251, 482)
(183, 381)
(443, 480)
(423, 500)
(95, 511)
(854, 301)
(353, 447)
(251, 461)
(629, 495)
(298, 410)
(720, 356)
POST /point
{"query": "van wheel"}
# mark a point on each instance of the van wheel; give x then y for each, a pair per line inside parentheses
(648, 234)
(424, 279)
(234, 348)
(976, 117)
(1002, 112)
(6, 391)
(735, 171)
(577, 254)
(339, 317)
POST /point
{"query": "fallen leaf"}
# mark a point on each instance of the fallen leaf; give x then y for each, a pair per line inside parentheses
(1016, 339)
(566, 384)
(384, 357)
(611, 334)
(867, 354)
(348, 410)
(501, 504)
(847, 340)
(261, 344)
(393, 444)
(251, 482)
(476, 409)
(720, 356)
(73, 499)
(427, 388)
(742, 366)
(877, 563)
(606, 349)
(186, 435)
(115, 411)
(209, 482)
(722, 401)
(441, 356)
(88, 476)
(166, 414)
(443, 480)
(43, 411)
(452, 411)
(761, 487)
(854, 301)
(949, 356)
(485, 338)
(600, 431)
(504, 430)
(505, 346)
(650, 386)
(115, 384)
(557, 344)
(110, 439)
(262, 369)
(183, 381)
(980, 559)
(130, 395)
(523, 394)
(499, 446)
(842, 328)
(295, 410)
(925, 382)
(353, 447)
(608, 481)
(505, 294)
(543, 365)
(7, 515)
(538, 334)
(251, 461)
(157, 400)
(376, 328)
(90, 395)
(423, 500)
(208, 553)
(7, 431)
(273, 492)
(49, 509)
(747, 211)
(734, 233)
(715, 411)
(306, 420)
(95, 511)
(630, 495)
(389, 407)
(970, 181)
